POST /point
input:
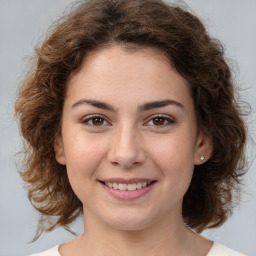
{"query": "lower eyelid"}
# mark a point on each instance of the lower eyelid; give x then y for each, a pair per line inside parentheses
(168, 119)
(88, 119)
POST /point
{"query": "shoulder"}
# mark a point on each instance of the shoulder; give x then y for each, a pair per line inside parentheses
(50, 252)
(221, 250)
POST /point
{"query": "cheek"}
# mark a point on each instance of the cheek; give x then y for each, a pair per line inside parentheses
(82, 160)
(83, 155)
(174, 157)
(177, 149)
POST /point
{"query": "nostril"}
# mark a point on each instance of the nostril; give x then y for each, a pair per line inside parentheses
(126, 156)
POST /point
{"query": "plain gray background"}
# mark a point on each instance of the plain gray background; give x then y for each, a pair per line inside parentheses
(22, 26)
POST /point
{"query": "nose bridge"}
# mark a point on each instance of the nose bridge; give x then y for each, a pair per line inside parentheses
(127, 136)
(127, 149)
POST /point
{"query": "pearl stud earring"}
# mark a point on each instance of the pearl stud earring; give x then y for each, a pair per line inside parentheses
(202, 158)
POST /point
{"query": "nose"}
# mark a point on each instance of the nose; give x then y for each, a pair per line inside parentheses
(126, 149)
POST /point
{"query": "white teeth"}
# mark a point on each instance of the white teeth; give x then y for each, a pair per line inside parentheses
(139, 185)
(132, 186)
(110, 184)
(144, 184)
(129, 187)
(122, 186)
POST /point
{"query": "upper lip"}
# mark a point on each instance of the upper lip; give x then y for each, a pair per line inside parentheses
(127, 181)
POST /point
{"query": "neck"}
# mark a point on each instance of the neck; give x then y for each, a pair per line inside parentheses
(165, 237)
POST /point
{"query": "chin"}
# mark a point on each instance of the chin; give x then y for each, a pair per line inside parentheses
(130, 222)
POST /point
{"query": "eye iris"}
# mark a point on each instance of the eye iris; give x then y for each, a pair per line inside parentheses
(158, 121)
(97, 121)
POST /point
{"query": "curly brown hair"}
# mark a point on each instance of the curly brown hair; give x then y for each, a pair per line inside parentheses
(182, 37)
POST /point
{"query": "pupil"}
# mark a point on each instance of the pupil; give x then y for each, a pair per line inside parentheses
(158, 121)
(97, 121)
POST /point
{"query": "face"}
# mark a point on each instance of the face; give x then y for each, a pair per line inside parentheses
(129, 138)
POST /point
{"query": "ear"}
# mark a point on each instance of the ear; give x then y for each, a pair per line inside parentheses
(59, 151)
(204, 148)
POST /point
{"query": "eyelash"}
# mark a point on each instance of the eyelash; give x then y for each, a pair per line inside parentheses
(93, 118)
(167, 121)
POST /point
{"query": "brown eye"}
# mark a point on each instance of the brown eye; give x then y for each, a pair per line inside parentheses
(97, 121)
(158, 121)
(94, 121)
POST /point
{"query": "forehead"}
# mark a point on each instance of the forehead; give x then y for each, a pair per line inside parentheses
(119, 55)
(127, 73)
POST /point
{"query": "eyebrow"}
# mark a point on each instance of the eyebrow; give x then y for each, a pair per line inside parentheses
(94, 103)
(144, 107)
(159, 104)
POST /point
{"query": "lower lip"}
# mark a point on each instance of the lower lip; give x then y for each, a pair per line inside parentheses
(126, 194)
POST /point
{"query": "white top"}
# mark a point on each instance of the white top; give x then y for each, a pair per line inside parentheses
(216, 250)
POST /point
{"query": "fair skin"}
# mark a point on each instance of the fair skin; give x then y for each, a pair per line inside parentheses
(129, 119)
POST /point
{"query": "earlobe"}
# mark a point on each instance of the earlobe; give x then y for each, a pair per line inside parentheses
(59, 151)
(204, 148)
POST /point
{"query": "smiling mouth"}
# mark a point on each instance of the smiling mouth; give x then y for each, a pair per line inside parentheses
(129, 186)
(127, 189)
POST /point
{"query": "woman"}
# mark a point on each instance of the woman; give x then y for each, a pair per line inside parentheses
(130, 119)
